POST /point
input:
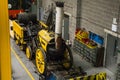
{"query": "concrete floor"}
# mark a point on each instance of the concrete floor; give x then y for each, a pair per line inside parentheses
(27, 70)
(89, 68)
(22, 68)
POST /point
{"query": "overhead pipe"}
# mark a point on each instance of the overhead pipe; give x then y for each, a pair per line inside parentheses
(58, 24)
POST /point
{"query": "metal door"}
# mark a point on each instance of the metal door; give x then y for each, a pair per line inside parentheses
(118, 52)
(66, 27)
(111, 57)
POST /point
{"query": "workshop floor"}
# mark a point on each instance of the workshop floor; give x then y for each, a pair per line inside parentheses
(90, 69)
(23, 69)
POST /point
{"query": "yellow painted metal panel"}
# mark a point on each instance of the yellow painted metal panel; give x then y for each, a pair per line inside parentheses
(5, 61)
(45, 37)
(43, 24)
(18, 29)
(43, 43)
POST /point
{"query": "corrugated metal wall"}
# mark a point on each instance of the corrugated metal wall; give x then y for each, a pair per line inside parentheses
(98, 14)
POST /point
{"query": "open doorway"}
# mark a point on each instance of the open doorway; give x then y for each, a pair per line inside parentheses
(65, 33)
(111, 57)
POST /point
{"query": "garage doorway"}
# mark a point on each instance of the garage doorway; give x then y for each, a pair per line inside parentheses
(111, 57)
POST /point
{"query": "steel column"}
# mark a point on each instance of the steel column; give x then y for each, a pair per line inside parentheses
(5, 61)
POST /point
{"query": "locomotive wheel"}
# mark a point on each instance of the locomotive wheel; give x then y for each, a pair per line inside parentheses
(41, 61)
(17, 41)
(22, 47)
(68, 58)
(28, 52)
(14, 36)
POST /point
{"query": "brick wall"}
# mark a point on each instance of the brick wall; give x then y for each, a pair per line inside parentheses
(70, 8)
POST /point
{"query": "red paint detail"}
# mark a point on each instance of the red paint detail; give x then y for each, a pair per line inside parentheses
(14, 13)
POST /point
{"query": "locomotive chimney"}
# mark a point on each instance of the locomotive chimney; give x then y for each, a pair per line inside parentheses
(58, 24)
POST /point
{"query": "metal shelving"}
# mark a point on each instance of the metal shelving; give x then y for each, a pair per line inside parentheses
(93, 55)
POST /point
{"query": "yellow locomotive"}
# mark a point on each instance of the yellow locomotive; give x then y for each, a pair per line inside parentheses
(40, 43)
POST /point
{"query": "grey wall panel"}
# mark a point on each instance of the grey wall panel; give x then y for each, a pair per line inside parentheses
(98, 14)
